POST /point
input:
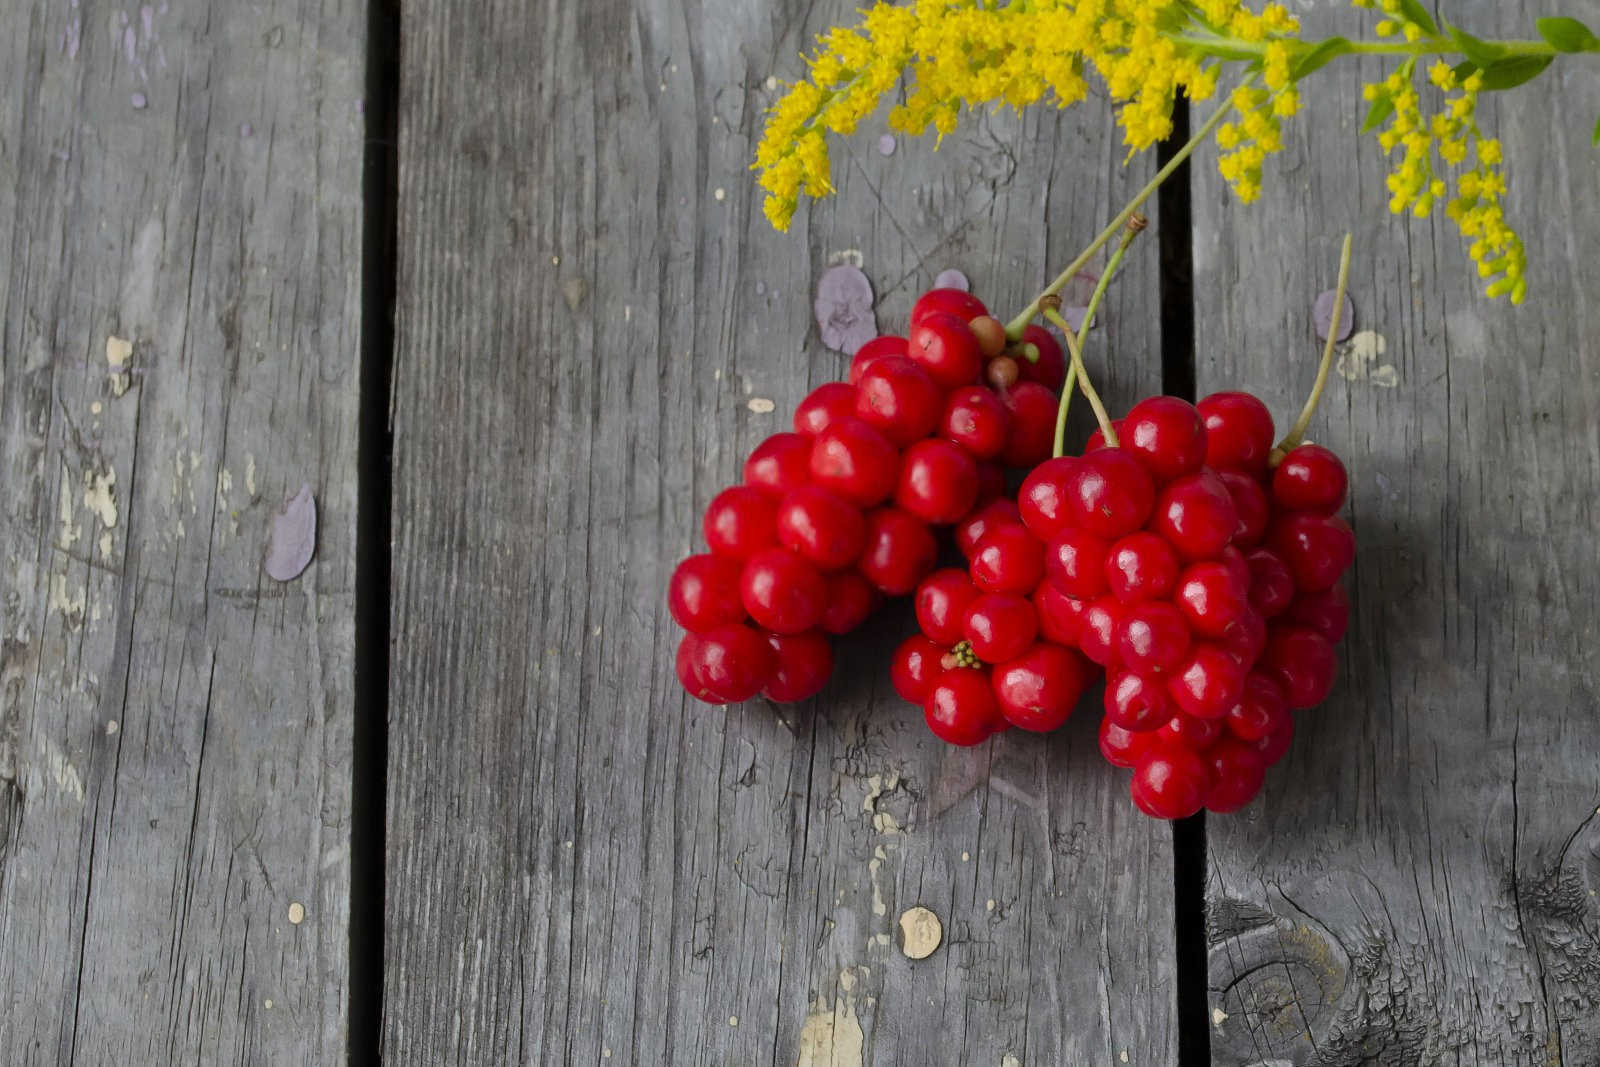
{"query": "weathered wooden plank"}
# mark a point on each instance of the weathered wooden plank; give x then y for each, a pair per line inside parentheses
(179, 192)
(582, 863)
(1418, 883)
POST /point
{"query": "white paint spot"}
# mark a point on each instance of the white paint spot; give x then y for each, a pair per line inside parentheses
(733, 1020)
(96, 408)
(297, 913)
(250, 476)
(1124, 1056)
(966, 857)
(605, 1051)
(848, 257)
(112, 728)
(555, 261)
(61, 770)
(1218, 1016)
(720, 194)
(1008, 1060)
(885, 823)
(772, 83)
(118, 351)
(99, 496)
(920, 933)
(107, 543)
(761, 405)
(267, 1003)
(1358, 360)
(71, 606)
(988, 905)
(874, 865)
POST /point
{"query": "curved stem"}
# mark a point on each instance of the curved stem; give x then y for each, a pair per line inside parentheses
(1089, 393)
(1297, 432)
(1136, 226)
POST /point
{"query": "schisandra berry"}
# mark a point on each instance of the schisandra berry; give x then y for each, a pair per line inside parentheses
(1260, 709)
(938, 481)
(898, 398)
(801, 666)
(1038, 689)
(783, 592)
(1153, 639)
(1301, 661)
(740, 522)
(780, 464)
(1211, 598)
(824, 528)
(1237, 565)
(1239, 432)
(958, 302)
(1252, 506)
(1000, 626)
(1167, 435)
(704, 593)
(1009, 560)
(1075, 563)
(1042, 500)
(914, 667)
(1186, 731)
(1141, 567)
(1050, 369)
(1276, 744)
(887, 345)
(1310, 478)
(991, 484)
(823, 406)
(941, 604)
(977, 420)
(945, 346)
(854, 460)
(1001, 373)
(1327, 612)
(1124, 748)
(1195, 514)
(971, 531)
(991, 335)
(1170, 782)
(1208, 682)
(1109, 493)
(1271, 584)
(1237, 770)
(851, 599)
(1318, 549)
(725, 665)
(1246, 638)
(1137, 703)
(1060, 616)
(1032, 432)
(900, 551)
(1098, 629)
(961, 708)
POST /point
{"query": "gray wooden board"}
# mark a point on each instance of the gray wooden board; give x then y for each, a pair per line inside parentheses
(582, 862)
(1418, 884)
(175, 727)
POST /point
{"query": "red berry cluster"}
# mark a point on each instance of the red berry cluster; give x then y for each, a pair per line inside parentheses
(842, 511)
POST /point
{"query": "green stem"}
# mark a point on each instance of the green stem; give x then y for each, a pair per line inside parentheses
(1136, 226)
(1235, 48)
(1052, 313)
(1297, 432)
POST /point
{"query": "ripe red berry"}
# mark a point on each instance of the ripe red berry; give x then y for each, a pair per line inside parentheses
(1141, 567)
(971, 530)
(941, 603)
(854, 460)
(1170, 782)
(1275, 745)
(960, 707)
(1165, 434)
(725, 665)
(1032, 433)
(1239, 432)
(1208, 683)
(826, 529)
(741, 522)
(1301, 661)
(938, 481)
(1236, 774)
(1188, 732)
(1317, 549)
(900, 552)
(977, 420)
(1327, 612)
(1060, 616)
(823, 405)
(1310, 478)
(1196, 514)
(991, 483)
(1246, 638)
(945, 346)
(1075, 562)
(914, 667)
(782, 591)
(1271, 584)
(1137, 703)
(958, 302)
(704, 593)
(802, 664)
(1042, 500)
(1109, 493)
(1260, 709)
(1237, 565)
(1252, 506)
(1050, 369)
(1098, 630)
(1038, 689)
(1124, 748)
(780, 464)
(897, 397)
(1152, 639)
(1000, 626)
(1009, 560)
(887, 345)
(851, 599)
(1211, 598)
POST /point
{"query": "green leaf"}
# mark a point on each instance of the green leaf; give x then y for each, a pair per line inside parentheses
(1482, 53)
(1319, 56)
(1381, 109)
(1568, 35)
(1512, 72)
(1597, 132)
(1414, 12)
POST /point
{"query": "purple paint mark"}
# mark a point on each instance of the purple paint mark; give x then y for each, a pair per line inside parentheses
(361, 105)
(952, 279)
(74, 37)
(130, 44)
(147, 19)
(246, 130)
(1322, 315)
(139, 101)
(844, 309)
(761, 288)
(161, 57)
(887, 144)
(293, 537)
(124, 16)
(162, 10)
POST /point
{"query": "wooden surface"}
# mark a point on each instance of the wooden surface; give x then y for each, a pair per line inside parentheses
(582, 862)
(175, 727)
(1419, 883)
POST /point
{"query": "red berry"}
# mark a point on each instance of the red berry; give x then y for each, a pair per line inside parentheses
(938, 481)
(1301, 661)
(1246, 638)
(1170, 782)
(741, 522)
(704, 593)
(1211, 598)
(783, 592)
(1060, 616)
(1208, 683)
(958, 302)
(1000, 626)
(1109, 493)
(914, 667)
(1152, 638)
(971, 530)
(942, 601)
(823, 406)
(977, 420)
(900, 552)
(1271, 584)
(1097, 438)
(897, 397)
(801, 666)
(1050, 369)
(1123, 748)
(1196, 514)
(1009, 560)
(1137, 703)
(1042, 500)
(991, 483)
(1166, 435)
(1260, 709)
(1310, 478)
(851, 599)
(1141, 567)
(1075, 562)
(725, 665)
(887, 345)
(1032, 433)
(1038, 689)
(1317, 549)
(1276, 744)
(1327, 612)
(1252, 506)
(1098, 630)
(855, 461)
(1239, 432)
(1191, 733)
(960, 707)
(1236, 773)
(780, 464)
(945, 346)
(826, 529)
(1237, 565)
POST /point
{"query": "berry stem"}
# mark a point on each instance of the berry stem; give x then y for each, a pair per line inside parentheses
(1052, 311)
(1297, 432)
(1136, 226)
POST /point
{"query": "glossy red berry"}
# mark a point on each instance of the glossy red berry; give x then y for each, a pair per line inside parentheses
(1196, 515)
(1260, 709)
(1153, 638)
(1310, 478)
(1050, 369)
(725, 665)
(823, 405)
(1317, 549)
(1301, 661)
(1141, 567)
(914, 667)
(1246, 638)
(1271, 584)
(825, 528)
(1188, 732)
(704, 593)
(1075, 563)
(851, 600)
(1009, 560)
(1038, 689)
(1137, 703)
(958, 302)
(1060, 616)
(971, 530)
(938, 481)
(991, 483)
(1123, 748)
(1327, 612)
(1237, 770)
(898, 399)
(941, 603)
(900, 552)
(1237, 565)
(887, 345)
(1109, 493)
(1170, 782)
(1250, 503)
(783, 592)
(1211, 598)
(741, 522)
(1000, 626)
(1042, 500)
(854, 460)
(1032, 432)
(802, 664)
(1098, 630)
(977, 420)
(1208, 683)
(960, 707)
(945, 346)
(1239, 432)
(780, 464)
(1275, 745)
(1165, 434)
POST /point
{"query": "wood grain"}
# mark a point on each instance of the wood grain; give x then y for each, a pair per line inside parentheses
(582, 862)
(179, 188)
(1418, 883)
